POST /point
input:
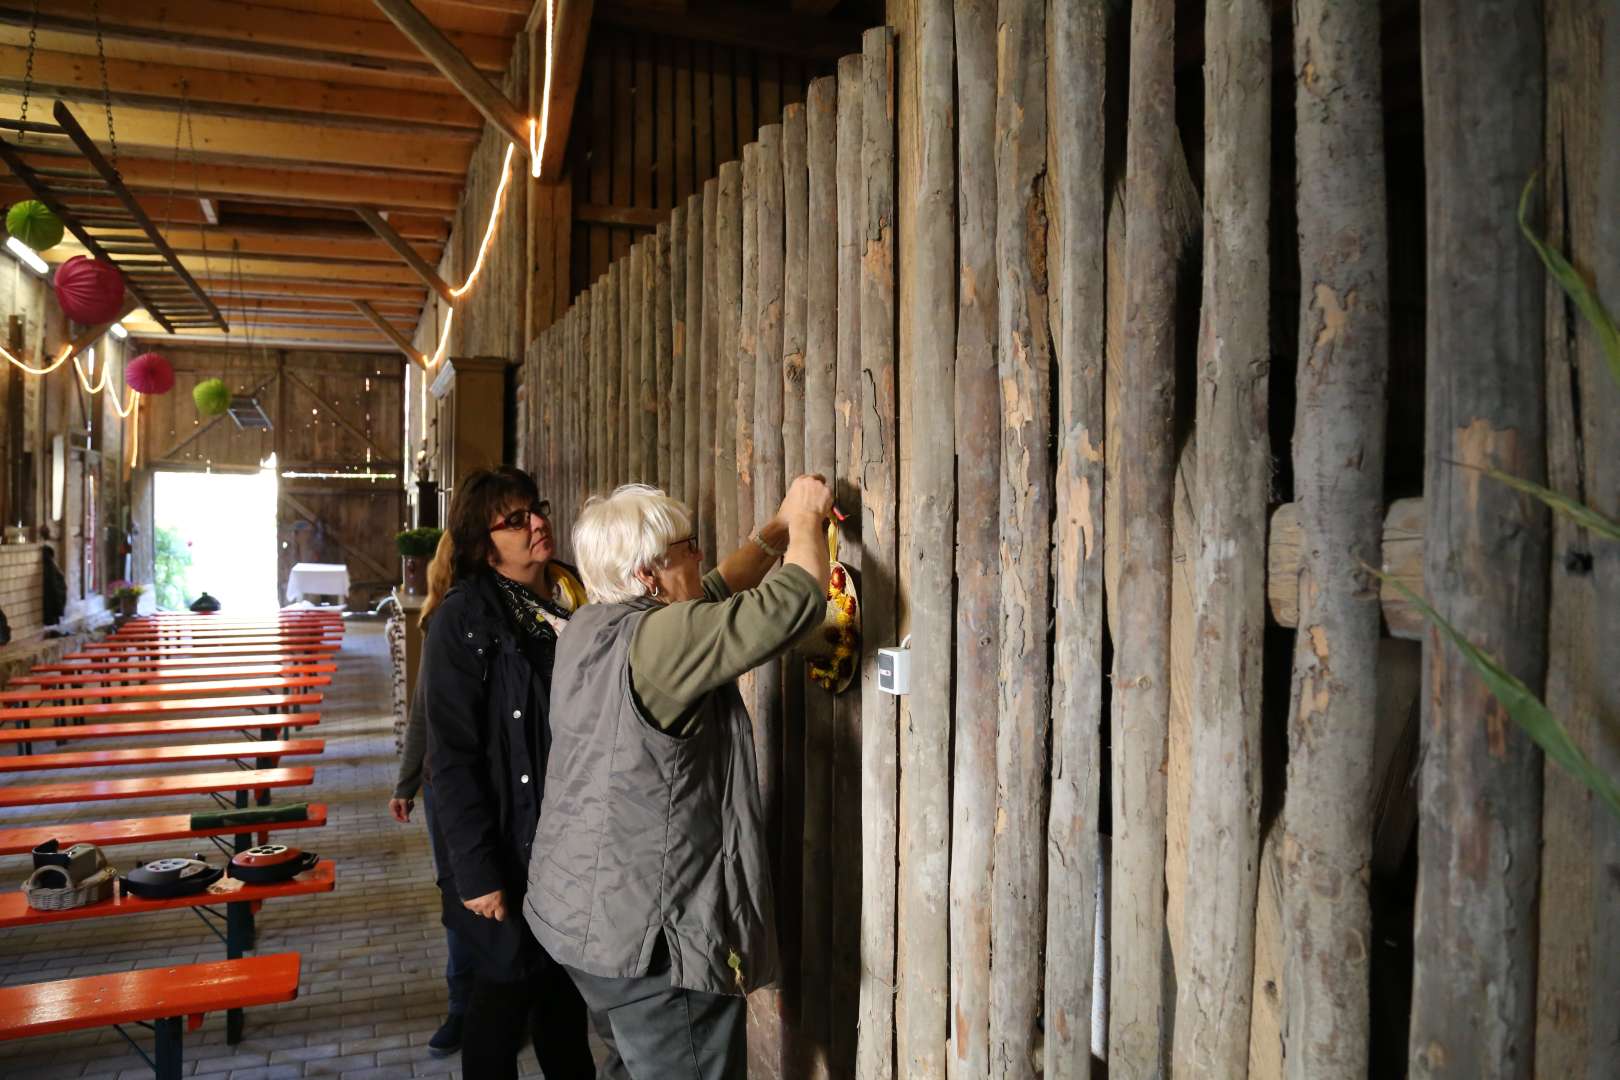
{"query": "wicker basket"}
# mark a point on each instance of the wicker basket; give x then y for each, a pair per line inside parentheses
(49, 888)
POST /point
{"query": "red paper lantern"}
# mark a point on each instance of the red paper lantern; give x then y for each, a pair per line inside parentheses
(149, 374)
(90, 291)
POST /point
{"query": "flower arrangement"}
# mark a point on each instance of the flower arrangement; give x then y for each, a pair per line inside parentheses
(418, 543)
(125, 590)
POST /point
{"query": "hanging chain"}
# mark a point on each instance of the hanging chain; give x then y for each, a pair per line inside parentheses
(106, 89)
(196, 181)
(28, 69)
(174, 161)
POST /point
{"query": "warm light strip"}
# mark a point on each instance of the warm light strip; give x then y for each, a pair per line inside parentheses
(444, 342)
(67, 351)
(489, 230)
(537, 134)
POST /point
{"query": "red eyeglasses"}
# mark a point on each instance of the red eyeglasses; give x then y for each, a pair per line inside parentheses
(519, 519)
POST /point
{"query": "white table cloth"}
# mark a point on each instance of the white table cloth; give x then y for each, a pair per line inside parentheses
(318, 579)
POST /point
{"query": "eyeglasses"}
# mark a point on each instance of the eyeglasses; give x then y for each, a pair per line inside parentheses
(690, 544)
(519, 519)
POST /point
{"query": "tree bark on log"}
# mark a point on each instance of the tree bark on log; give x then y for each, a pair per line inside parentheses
(634, 411)
(1018, 896)
(795, 297)
(1338, 487)
(879, 462)
(978, 534)
(1215, 968)
(696, 389)
(615, 458)
(748, 341)
(1141, 703)
(1077, 47)
(819, 366)
(848, 825)
(662, 403)
(766, 482)
(595, 362)
(674, 452)
(708, 434)
(1479, 826)
(728, 312)
(923, 1006)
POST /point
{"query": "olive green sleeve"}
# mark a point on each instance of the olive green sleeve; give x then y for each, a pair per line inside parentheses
(683, 651)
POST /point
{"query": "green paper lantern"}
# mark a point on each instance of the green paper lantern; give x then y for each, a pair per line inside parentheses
(35, 224)
(211, 396)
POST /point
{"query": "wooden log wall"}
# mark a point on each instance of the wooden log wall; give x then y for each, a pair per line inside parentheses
(1154, 793)
(656, 118)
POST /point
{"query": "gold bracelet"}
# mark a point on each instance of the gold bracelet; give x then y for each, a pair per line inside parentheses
(775, 553)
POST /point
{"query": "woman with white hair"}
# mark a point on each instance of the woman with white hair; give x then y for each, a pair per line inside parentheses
(649, 880)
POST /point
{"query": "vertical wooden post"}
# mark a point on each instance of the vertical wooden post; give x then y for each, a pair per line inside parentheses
(1077, 40)
(820, 367)
(695, 387)
(600, 416)
(635, 410)
(613, 415)
(879, 461)
(1018, 917)
(848, 821)
(1146, 474)
(1339, 490)
(796, 240)
(978, 536)
(922, 1008)
(728, 289)
(1485, 547)
(708, 437)
(747, 341)
(672, 434)
(1211, 1033)
(647, 399)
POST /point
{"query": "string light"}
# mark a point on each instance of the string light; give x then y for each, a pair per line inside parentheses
(62, 358)
(489, 230)
(536, 131)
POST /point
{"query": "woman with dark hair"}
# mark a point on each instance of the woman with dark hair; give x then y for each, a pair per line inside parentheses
(489, 654)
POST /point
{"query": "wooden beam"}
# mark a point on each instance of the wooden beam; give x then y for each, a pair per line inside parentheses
(731, 22)
(405, 251)
(241, 141)
(210, 211)
(455, 66)
(210, 92)
(348, 343)
(818, 9)
(623, 217)
(249, 29)
(569, 37)
(228, 287)
(400, 340)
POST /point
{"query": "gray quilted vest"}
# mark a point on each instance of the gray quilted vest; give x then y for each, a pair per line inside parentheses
(645, 835)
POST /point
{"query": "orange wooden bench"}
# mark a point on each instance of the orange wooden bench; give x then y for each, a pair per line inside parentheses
(213, 687)
(208, 637)
(234, 671)
(169, 998)
(116, 650)
(113, 656)
(245, 722)
(262, 750)
(147, 830)
(240, 901)
(180, 665)
(240, 781)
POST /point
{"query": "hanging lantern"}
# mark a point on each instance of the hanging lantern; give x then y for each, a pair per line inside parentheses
(211, 396)
(35, 224)
(149, 374)
(90, 291)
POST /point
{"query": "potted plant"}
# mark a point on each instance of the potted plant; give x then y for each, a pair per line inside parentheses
(416, 547)
(125, 596)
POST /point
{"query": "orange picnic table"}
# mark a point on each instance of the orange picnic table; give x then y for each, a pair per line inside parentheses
(244, 722)
(239, 900)
(127, 676)
(240, 781)
(261, 750)
(148, 830)
(174, 689)
(168, 708)
(178, 652)
(262, 643)
(179, 665)
(246, 637)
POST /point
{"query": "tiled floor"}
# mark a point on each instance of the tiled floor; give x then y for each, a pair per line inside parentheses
(373, 950)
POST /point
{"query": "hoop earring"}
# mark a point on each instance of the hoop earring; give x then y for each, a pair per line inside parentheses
(654, 594)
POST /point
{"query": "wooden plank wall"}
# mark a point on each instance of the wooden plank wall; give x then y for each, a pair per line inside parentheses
(964, 285)
(656, 117)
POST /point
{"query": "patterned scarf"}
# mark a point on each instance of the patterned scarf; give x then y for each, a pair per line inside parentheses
(536, 616)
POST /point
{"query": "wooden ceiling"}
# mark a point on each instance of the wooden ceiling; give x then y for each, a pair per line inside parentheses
(296, 112)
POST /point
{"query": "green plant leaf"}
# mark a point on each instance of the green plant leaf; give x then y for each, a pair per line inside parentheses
(1575, 285)
(1527, 710)
(1579, 512)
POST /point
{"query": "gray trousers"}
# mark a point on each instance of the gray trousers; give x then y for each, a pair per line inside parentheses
(662, 1032)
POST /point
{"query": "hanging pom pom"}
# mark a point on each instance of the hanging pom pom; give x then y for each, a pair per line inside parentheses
(90, 291)
(149, 374)
(211, 396)
(35, 224)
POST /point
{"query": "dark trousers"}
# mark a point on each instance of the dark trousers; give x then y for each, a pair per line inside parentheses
(662, 1032)
(546, 1005)
(459, 966)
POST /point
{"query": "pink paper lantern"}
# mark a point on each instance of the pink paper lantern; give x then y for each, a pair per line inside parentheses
(149, 374)
(90, 291)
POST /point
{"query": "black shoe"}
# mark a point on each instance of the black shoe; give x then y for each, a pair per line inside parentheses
(447, 1040)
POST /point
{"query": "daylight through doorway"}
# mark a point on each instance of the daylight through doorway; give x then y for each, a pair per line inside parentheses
(216, 532)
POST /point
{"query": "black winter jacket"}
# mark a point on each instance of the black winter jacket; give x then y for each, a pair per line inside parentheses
(487, 694)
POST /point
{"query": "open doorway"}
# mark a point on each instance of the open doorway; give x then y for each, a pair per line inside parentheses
(216, 532)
